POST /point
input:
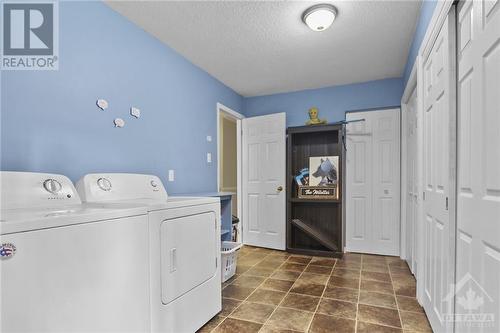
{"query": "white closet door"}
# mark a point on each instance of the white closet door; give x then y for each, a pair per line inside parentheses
(437, 118)
(373, 167)
(478, 213)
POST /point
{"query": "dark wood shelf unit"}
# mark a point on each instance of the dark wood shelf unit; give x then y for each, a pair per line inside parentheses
(311, 231)
(314, 226)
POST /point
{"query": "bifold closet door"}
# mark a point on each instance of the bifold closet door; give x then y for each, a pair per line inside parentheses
(439, 162)
(373, 184)
(478, 206)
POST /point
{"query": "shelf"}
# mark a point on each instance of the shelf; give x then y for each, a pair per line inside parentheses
(315, 200)
(314, 233)
(224, 231)
(309, 252)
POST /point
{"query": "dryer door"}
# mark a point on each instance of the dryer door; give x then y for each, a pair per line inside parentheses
(188, 253)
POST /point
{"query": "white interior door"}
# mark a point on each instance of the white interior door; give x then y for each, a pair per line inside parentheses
(478, 206)
(412, 181)
(264, 168)
(373, 167)
(439, 160)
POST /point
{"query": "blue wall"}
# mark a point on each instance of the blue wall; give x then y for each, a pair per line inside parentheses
(332, 101)
(50, 123)
(426, 12)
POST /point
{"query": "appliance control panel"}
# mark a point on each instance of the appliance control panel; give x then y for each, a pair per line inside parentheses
(120, 186)
(32, 189)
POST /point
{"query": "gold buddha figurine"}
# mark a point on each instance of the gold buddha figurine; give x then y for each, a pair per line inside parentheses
(313, 117)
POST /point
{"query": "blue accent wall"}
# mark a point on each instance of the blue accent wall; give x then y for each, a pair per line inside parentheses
(426, 12)
(332, 102)
(50, 122)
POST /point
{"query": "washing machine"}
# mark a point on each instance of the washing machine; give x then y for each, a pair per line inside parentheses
(68, 267)
(184, 247)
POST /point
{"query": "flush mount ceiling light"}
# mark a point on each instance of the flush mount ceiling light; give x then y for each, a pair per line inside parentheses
(319, 17)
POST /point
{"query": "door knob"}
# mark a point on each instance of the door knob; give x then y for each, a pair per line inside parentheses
(280, 188)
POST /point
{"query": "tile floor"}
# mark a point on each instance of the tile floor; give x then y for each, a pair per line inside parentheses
(275, 291)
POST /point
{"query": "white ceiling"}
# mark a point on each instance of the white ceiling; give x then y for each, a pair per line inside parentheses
(262, 47)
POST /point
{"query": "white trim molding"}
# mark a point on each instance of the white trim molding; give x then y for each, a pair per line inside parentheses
(227, 112)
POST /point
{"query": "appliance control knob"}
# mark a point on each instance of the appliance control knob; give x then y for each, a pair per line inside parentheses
(153, 183)
(104, 184)
(52, 186)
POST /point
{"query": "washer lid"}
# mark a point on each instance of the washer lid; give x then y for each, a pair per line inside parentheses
(18, 220)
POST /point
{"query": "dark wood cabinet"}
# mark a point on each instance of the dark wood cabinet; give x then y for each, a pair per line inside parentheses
(314, 226)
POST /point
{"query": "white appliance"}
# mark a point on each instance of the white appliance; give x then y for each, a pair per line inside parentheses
(184, 235)
(68, 267)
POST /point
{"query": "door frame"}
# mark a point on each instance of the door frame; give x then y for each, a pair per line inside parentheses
(411, 87)
(223, 110)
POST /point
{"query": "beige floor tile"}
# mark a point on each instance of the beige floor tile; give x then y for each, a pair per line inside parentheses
(313, 278)
(231, 325)
(318, 269)
(375, 276)
(330, 324)
(228, 305)
(363, 327)
(342, 294)
(299, 259)
(414, 321)
(237, 292)
(278, 285)
(240, 269)
(270, 329)
(377, 299)
(380, 287)
(349, 264)
(375, 268)
(378, 315)
(249, 281)
(338, 281)
(266, 296)
(290, 266)
(347, 273)
(405, 289)
(300, 302)
(285, 275)
(255, 312)
(334, 307)
(290, 319)
(306, 288)
(408, 304)
(320, 261)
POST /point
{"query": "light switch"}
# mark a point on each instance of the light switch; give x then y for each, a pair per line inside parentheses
(209, 157)
(209, 138)
(171, 175)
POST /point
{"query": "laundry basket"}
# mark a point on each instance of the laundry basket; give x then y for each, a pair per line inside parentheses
(229, 255)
